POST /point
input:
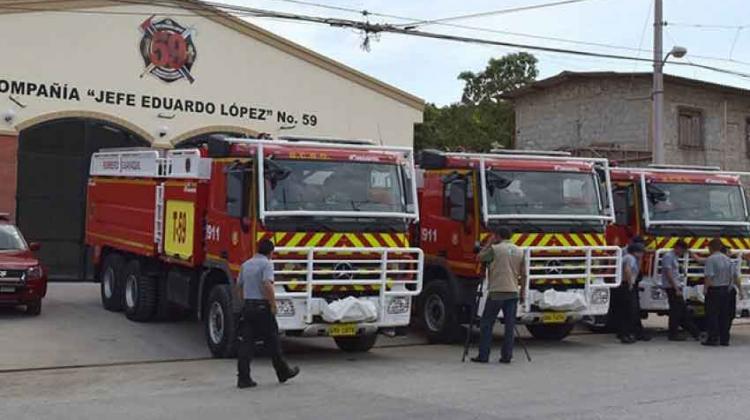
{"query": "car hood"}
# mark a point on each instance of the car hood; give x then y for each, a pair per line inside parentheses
(17, 260)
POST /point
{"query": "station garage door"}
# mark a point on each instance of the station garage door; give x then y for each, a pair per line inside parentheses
(53, 163)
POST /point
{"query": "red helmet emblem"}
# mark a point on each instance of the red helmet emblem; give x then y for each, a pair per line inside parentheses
(167, 49)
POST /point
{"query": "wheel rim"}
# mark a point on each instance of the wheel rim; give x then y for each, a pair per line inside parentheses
(108, 282)
(216, 322)
(434, 313)
(131, 291)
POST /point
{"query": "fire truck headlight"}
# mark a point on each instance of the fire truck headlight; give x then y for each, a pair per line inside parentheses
(284, 307)
(399, 305)
(600, 296)
(658, 293)
(34, 273)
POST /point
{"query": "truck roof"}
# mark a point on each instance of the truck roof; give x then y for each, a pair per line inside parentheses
(315, 150)
(509, 161)
(680, 176)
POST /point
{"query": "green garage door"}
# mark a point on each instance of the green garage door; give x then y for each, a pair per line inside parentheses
(53, 162)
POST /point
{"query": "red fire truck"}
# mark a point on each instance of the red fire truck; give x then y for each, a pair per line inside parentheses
(558, 208)
(664, 204)
(170, 229)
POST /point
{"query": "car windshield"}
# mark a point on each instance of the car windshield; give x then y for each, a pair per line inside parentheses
(334, 186)
(542, 193)
(695, 202)
(11, 239)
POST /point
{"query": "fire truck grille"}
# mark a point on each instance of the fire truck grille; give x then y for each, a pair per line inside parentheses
(12, 277)
(561, 269)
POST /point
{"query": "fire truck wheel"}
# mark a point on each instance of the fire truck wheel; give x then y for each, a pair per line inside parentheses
(438, 313)
(550, 332)
(140, 293)
(34, 308)
(110, 279)
(360, 344)
(220, 322)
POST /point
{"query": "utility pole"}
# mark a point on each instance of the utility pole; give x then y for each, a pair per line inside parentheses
(657, 113)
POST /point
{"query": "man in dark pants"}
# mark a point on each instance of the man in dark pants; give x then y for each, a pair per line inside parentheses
(258, 317)
(718, 278)
(506, 270)
(627, 309)
(672, 282)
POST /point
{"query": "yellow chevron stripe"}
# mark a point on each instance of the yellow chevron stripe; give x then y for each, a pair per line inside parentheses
(315, 239)
(296, 238)
(545, 239)
(515, 238)
(671, 242)
(699, 242)
(354, 240)
(578, 241)
(372, 240)
(389, 240)
(335, 238)
(561, 238)
(530, 239)
(359, 287)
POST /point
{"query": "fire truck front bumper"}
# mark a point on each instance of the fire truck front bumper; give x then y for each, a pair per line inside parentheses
(592, 302)
(293, 316)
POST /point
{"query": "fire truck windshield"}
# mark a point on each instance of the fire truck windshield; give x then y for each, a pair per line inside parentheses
(673, 202)
(335, 186)
(526, 193)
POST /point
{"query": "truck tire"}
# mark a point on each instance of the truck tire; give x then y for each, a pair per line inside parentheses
(34, 308)
(220, 322)
(111, 282)
(140, 293)
(550, 332)
(360, 344)
(438, 312)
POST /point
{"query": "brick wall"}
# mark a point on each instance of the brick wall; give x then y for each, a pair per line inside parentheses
(8, 159)
(580, 112)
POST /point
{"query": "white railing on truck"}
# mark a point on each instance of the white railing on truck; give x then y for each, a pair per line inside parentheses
(600, 264)
(151, 163)
(389, 269)
(690, 268)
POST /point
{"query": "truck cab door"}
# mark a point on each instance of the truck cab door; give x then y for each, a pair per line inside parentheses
(627, 219)
(460, 212)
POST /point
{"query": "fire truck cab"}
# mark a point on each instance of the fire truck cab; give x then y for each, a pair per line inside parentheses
(556, 206)
(666, 203)
(170, 229)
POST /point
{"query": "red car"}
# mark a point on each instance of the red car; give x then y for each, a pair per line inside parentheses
(23, 280)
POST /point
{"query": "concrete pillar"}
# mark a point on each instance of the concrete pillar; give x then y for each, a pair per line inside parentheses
(8, 173)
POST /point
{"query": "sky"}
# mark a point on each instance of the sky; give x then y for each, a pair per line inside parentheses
(711, 30)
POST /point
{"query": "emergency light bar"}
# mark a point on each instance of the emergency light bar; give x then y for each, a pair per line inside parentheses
(328, 140)
(530, 152)
(688, 167)
(264, 213)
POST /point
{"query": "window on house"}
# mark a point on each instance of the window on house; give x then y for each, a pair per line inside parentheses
(690, 129)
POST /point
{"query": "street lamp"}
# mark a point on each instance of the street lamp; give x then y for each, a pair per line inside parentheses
(658, 99)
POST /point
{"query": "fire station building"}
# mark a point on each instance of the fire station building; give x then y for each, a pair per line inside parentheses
(80, 75)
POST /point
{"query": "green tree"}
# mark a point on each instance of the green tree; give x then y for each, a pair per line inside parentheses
(483, 119)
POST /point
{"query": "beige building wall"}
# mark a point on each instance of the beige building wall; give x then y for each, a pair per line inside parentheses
(79, 58)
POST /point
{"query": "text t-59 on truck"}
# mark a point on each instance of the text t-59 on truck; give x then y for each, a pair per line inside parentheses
(558, 208)
(171, 229)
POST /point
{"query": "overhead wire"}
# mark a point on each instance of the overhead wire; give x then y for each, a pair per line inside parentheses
(369, 28)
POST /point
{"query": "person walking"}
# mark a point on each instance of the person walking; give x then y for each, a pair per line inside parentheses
(673, 282)
(627, 313)
(258, 316)
(719, 277)
(506, 271)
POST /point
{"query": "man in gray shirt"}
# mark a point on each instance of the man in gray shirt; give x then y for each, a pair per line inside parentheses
(719, 276)
(626, 312)
(672, 282)
(258, 317)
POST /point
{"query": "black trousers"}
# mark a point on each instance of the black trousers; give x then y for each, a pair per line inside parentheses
(679, 315)
(258, 323)
(626, 311)
(718, 314)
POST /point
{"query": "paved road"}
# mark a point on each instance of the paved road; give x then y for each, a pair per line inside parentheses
(585, 377)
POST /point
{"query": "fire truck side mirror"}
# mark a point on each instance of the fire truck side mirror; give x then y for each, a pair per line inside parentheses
(457, 200)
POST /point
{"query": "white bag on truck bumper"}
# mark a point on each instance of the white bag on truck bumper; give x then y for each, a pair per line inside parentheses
(349, 309)
(561, 301)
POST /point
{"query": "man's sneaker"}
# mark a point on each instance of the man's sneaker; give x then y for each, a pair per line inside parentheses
(710, 343)
(627, 339)
(478, 360)
(725, 344)
(643, 337)
(504, 361)
(249, 383)
(291, 373)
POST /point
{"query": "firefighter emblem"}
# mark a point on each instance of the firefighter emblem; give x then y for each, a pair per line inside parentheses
(167, 49)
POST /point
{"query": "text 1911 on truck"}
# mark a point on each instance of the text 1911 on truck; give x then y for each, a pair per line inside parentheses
(665, 204)
(558, 208)
(170, 230)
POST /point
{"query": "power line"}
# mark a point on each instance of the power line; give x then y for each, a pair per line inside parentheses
(371, 29)
(491, 13)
